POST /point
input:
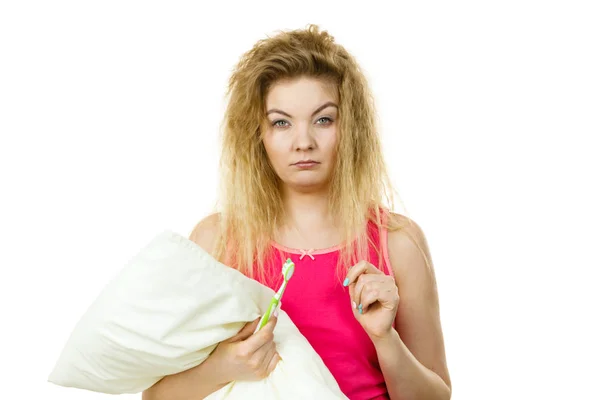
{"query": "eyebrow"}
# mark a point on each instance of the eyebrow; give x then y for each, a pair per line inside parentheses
(328, 104)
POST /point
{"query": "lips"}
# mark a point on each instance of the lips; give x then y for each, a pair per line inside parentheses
(306, 162)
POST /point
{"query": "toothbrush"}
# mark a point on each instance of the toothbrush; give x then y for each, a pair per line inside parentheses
(287, 270)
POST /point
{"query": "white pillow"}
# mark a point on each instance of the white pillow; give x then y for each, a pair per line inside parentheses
(164, 313)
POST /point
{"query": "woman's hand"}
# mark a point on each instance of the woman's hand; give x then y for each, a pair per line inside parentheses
(247, 356)
(374, 298)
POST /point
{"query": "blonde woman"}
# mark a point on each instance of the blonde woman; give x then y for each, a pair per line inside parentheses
(303, 177)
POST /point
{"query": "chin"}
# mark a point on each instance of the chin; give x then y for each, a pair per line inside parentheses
(307, 185)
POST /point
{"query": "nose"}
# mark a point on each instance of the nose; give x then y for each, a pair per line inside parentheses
(304, 139)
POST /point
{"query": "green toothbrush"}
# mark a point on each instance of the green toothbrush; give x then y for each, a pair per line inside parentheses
(287, 270)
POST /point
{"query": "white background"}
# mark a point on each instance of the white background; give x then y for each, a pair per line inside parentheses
(490, 114)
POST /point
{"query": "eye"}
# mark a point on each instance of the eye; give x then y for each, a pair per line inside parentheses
(326, 118)
(276, 122)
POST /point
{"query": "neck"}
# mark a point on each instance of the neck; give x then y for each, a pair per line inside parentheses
(307, 211)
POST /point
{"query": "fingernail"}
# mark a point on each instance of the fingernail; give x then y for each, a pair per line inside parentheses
(346, 281)
(276, 312)
(360, 306)
(353, 304)
(360, 311)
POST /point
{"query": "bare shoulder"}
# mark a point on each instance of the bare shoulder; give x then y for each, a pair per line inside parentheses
(418, 317)
(205, 232)
(407, 242)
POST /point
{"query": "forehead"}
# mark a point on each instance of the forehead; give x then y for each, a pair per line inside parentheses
(301, 93)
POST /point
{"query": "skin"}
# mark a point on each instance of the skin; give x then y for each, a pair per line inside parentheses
(412, 358)
(297, 133)
(246, 356)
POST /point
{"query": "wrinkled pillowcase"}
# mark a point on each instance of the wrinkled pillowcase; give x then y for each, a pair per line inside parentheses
(165, 312)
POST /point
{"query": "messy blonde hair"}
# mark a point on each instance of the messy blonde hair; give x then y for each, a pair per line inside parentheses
(250, 202)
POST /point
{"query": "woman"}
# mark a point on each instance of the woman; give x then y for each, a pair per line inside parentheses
(304, 178)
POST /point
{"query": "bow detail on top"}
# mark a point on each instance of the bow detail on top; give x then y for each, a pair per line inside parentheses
(307, 253)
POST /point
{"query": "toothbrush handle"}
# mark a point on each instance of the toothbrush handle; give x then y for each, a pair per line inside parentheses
(267, 315)
(275, 300)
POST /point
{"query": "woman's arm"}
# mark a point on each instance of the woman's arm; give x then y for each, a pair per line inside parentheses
(202, 380)
(405, 376)
(193, 384)
(413, 359)
(247, 356)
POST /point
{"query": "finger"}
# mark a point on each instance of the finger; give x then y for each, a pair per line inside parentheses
(246, 331)
(257, 359)
(267, 358)
(369, 295)
(259, 356)
(274, 361)
(261, 337)
(360, 268)
(357, 288)
(352, 277)
(382, 292)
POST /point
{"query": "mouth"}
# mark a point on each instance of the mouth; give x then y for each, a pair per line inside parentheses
(306, 163)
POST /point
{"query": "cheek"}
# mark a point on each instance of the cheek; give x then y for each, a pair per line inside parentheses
(330, 143)
(274, 152)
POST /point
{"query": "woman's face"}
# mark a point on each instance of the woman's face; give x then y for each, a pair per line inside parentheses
(302, 125)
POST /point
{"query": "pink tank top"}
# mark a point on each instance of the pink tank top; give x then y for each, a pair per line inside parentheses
(320, 307)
